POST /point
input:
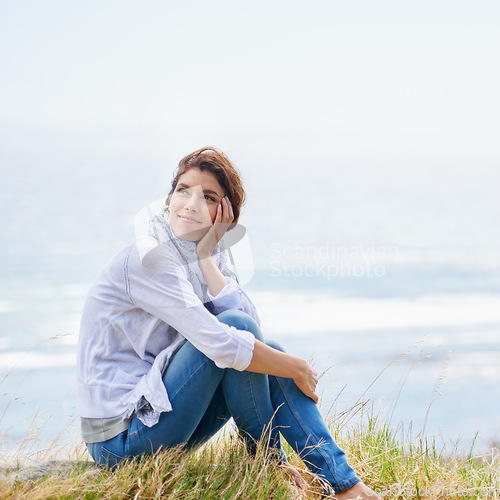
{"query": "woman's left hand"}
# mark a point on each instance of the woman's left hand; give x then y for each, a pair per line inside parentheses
(223, 219)
(306, 379)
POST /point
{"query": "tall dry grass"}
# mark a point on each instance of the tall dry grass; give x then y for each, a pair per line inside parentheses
(390, 460)
(395, 460)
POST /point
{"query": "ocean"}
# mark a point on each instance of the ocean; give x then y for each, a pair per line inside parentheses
(430, 359)
(411, 331)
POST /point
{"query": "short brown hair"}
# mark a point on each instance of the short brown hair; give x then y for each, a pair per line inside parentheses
(215, 161)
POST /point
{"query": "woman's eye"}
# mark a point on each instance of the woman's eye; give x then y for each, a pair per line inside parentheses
(208, 197)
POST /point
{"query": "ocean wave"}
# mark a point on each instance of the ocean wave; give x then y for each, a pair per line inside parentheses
(20, 361)
(316, 312)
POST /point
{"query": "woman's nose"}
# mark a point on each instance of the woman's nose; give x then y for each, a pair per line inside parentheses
(193, 204)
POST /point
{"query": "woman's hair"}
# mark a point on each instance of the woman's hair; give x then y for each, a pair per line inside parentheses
(216, 162)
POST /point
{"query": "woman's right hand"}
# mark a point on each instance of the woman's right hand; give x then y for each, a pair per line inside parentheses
(223, 219)
(306, 380)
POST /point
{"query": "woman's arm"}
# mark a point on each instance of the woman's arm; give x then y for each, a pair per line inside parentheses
(205, 247)
(224, 291)
(267, 360)
(214, 278)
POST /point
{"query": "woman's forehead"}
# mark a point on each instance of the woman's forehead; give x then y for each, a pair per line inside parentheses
(204, 179)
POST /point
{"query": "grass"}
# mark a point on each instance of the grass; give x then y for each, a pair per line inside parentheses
(390, 460)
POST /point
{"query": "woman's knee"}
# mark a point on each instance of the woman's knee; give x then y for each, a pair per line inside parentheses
(241, 321)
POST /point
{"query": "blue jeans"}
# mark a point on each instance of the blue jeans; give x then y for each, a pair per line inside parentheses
(204, 397)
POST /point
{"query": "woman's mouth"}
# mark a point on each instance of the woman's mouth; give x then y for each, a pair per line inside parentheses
(188, 220)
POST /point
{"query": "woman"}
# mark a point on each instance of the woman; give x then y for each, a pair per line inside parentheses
(170, 346)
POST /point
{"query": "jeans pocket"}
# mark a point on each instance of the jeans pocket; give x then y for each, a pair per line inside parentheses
(107, 458)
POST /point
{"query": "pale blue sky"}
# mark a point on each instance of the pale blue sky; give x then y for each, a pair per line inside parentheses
(390, 73)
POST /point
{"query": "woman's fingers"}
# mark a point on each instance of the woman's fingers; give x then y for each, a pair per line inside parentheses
(230, 210)
(227, 210)
(312, 394)
(307, 383)
(314, 383)
(223, 218)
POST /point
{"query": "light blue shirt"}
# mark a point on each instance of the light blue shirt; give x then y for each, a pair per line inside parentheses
(138, 313)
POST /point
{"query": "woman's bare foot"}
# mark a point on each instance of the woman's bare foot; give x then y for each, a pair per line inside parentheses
(359, 492)
(294, 475)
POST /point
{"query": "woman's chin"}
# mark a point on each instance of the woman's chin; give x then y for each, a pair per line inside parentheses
(193, 236)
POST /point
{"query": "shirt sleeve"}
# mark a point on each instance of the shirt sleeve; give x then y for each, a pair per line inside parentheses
(158, 284)
(232, 296)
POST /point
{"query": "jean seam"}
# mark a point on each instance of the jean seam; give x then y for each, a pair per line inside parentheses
(254, 402)
(205, 361)
(250, 389)
(317, 446)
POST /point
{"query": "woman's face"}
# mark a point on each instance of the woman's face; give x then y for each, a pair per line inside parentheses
(193, 204)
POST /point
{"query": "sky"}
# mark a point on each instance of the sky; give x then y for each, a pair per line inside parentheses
(378, 118)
